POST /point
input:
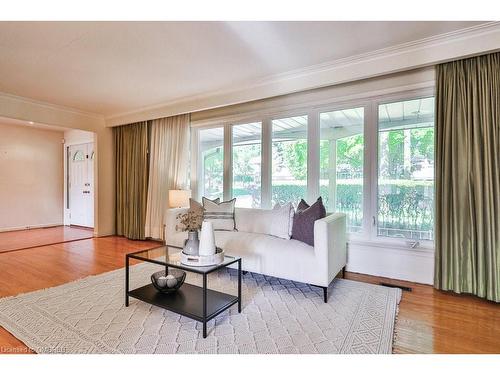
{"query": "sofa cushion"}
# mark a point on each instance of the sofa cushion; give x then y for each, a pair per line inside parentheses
(265, 254)
(303, 221)
(220, 214)
(253, 220)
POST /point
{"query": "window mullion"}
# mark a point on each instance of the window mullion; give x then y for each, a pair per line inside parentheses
(313, 156)
(370, 175)
(196, 168)
(228, 163)
(266, 164)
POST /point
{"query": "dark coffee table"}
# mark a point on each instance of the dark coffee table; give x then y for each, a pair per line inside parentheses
(198, 303)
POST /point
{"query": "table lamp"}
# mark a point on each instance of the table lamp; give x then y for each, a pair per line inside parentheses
(179, 198)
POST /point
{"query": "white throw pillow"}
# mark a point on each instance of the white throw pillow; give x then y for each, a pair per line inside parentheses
(220, 214)
(282, 221)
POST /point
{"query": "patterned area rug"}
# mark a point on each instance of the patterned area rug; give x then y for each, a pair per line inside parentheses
(279, 316)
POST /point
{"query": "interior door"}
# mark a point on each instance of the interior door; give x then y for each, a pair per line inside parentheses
(81, 189)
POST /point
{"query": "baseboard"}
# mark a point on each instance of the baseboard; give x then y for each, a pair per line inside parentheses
(31, 226)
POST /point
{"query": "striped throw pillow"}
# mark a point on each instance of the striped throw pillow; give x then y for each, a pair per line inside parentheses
(220, 214)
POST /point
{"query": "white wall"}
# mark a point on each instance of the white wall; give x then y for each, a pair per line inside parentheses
(104, 179)
(31, 177)
(392, 262)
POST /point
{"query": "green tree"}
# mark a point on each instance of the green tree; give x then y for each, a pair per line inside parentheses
(350, 151)
(213, 165)
(422, 143)
(295, 158)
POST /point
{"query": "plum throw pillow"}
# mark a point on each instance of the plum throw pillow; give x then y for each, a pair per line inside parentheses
(303, 221)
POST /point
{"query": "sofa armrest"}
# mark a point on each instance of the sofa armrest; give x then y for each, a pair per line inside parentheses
(171, 221)
(330, 247)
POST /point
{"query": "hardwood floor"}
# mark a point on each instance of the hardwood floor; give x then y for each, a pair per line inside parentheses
(24, 239)
(429, 321)
(43, 267)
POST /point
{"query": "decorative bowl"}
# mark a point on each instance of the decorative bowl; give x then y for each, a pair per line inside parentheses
(168, 283)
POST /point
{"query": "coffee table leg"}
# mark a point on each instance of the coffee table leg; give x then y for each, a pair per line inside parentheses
(126, 280)
(239, 285)
(204, 305)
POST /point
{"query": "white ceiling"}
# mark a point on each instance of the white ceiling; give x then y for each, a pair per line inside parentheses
(113, 67)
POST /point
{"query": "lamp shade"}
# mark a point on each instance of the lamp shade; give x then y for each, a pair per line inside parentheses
(178, 198)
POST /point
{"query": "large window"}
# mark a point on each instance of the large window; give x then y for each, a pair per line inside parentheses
(289, 160)
(247, 158)
(341, 164)
(406, 169)
(211, 150)
(372, 159)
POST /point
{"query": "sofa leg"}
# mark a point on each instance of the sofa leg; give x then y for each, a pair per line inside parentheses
(244, 272)
(343, 272)
(325, 291)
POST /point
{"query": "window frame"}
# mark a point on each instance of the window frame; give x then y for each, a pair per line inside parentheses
(311, 168)
(422, 244)
(368, 236)
(230, 132)
(197, 182)
(365, 230)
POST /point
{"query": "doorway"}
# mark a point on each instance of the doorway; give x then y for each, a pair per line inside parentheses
(80, 182)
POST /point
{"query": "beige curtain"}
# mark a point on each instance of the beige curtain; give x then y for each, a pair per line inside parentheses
(131, 148)
(169, 165)
(468, 176)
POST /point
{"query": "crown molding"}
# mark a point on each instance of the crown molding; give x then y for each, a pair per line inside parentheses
(26, 109)
(51, 106)
(441, 48)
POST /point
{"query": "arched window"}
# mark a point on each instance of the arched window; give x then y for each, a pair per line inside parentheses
(79, 156)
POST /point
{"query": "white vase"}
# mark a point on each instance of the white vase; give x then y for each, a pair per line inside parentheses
(207, 239)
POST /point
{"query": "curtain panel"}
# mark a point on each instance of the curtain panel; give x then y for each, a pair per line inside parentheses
(169, 165)
(467, 258)
(131, 152)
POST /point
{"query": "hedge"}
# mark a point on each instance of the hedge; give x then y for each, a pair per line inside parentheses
(403, 205)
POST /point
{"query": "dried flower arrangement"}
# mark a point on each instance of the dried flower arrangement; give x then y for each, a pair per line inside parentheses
(190, 221)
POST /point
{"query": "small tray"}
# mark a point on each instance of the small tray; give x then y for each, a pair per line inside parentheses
(203, 260)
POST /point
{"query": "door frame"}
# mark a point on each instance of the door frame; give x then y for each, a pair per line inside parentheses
(66, 210)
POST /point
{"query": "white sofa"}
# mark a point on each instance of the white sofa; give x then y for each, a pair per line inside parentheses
(273, 256)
